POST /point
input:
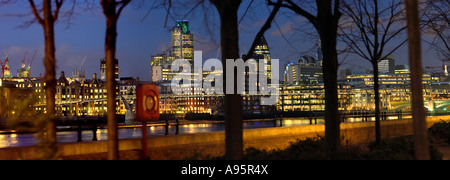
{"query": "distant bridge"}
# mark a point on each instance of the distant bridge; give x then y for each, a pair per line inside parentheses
(122, 98)
(430, 105)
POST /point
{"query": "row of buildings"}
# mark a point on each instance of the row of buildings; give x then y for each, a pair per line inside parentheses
(75, 95)
(301, 90)
(26, 98)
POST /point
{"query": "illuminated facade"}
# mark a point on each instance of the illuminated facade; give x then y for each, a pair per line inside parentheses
(302, 98)
(262, 51)
(14, 102)
(80, 98)
(7, 71)
(393, 98)
(306, 71)
(402, 69)
(183, 41)
(387, 66)
(20, 99)
(182, 48)
(23, 72)
(367, 80)
(203, 103)
(162, 67)
(72, 97)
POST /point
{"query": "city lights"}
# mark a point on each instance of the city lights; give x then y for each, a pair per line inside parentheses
(224, 80)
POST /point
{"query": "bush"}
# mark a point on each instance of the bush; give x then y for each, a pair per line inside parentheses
(440, 132)
(309, 149)
(401, 148)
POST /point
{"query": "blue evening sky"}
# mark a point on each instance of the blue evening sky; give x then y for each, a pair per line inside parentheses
(140, 37)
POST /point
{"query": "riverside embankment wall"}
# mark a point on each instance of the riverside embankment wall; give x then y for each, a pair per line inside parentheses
(212, 144)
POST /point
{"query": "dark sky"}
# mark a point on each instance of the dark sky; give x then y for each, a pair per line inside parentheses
(141, 36)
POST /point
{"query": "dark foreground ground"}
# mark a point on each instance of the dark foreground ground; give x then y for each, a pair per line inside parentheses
(444, 149)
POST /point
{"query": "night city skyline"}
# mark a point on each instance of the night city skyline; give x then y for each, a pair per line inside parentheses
(224, 80)
(141, 36)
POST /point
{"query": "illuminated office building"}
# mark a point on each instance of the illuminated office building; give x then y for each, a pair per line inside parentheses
(183, 41)
(387, 66)
(262, 51)
(306, 71)
(367, 80)
(161, 67)
(182, 48)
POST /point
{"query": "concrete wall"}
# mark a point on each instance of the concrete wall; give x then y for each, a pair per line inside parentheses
(212, 144)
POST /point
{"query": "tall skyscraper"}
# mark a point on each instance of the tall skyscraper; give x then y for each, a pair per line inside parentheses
(183, 41)
(103, 69)
(319, 58)
(182, 48)
(262, 50)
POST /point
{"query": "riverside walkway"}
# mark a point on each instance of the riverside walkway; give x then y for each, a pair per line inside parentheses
(174, 147)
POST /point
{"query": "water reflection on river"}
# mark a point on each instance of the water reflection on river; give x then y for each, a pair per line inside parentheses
(14, 140)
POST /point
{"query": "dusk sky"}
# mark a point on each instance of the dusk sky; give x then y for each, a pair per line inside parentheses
(140, 37)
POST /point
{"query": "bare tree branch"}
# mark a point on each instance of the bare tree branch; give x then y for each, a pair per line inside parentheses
(297, 9)
(35, 12)
(365, 28)
(263, 30)
(436, 22)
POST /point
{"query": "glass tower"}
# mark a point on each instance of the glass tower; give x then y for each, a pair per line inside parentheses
(183, 41)
(262, 52)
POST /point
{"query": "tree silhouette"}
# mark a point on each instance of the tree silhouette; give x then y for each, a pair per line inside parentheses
(46, 17)
(112, 10)
(436, 20)
(369, 28)
(228, 11)
(326, 22)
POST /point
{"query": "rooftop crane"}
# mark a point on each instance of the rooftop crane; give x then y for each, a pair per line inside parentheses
(444, 67)
(30, 62)
(3, 64)
(24, 59)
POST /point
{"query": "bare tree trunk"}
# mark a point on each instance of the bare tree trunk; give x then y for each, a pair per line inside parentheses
(50, 78)
(328, 25)
(376, 90)
(110, 54)
(376, 74)
(112, 15)
(233, 102)
(234, 144)
(421, 146)
(332, 119)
